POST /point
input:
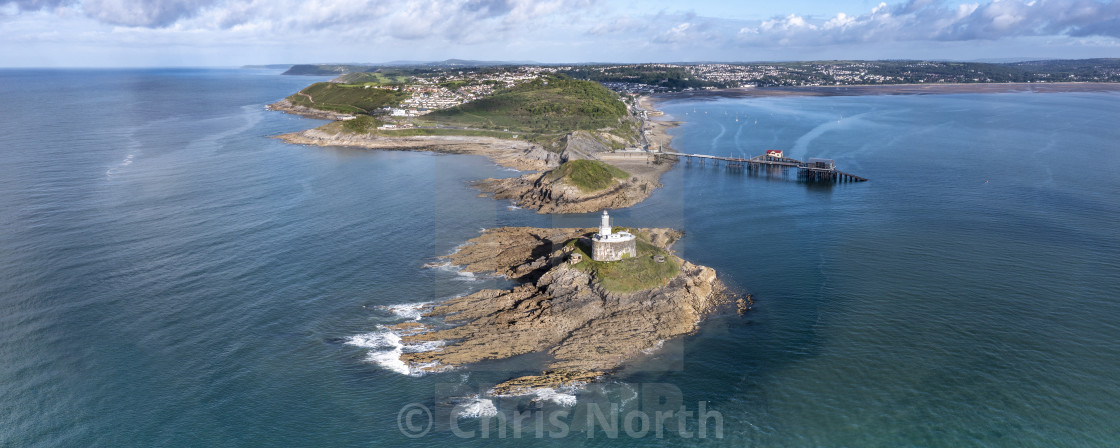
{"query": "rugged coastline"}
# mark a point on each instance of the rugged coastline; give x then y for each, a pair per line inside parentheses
(546, 194)
(562, 307)
(286, 105)
(551, 194)
(519, 155)
(535, 190)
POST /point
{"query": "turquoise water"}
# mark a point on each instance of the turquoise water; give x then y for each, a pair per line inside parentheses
(172, 276)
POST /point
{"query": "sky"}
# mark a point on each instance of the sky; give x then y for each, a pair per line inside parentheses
(178, 33)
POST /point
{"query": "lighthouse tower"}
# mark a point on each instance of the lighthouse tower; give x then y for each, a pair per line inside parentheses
(609, 246)
(605, 225)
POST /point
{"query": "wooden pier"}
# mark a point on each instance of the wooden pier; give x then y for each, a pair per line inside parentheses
(818, 170)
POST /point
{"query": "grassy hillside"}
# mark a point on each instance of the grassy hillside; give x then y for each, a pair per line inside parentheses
(587, 175)
(324, 69)
(346, 98)
(543, 111)
(551, 105)
(380, 77)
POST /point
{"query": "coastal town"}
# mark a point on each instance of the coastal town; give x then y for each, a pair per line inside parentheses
(452, 89)
(437, 86)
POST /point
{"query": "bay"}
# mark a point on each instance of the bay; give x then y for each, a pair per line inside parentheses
(170, 275)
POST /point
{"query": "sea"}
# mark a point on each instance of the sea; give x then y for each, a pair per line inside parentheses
(172, 275)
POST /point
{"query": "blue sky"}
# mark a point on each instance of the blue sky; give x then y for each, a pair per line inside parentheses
(117, 33)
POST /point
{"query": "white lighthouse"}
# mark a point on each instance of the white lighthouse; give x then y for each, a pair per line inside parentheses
(605, 225)
(610, 246)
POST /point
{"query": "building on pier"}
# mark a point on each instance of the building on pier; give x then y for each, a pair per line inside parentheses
(821, 164)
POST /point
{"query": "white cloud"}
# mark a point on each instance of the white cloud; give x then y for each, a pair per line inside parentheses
(935, 20)
(840, 21)
(575, 29)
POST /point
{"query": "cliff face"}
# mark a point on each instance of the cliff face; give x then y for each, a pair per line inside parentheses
(581, 145)
(559, 309)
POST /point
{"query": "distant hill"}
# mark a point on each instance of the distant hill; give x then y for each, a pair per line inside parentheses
(341, 69)
(267, 67)
(325, 69)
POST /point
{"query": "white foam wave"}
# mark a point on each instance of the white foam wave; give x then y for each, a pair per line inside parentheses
(477, 408)
(413, 311)
(111, 172)
(385, 350)
(555, 396)
(427, 346)
(633, 395)
(457, 270)
(656, 347)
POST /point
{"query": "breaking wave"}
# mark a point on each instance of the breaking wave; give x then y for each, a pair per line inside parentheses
(385, 350)
(478, 408)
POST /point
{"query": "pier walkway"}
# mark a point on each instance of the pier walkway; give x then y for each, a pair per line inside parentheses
(814, 169)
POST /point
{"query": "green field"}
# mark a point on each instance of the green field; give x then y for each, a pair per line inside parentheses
(346, 98)
(631, 274)
(587, 175)
(362, 124)
(374, 78)
(544, 106)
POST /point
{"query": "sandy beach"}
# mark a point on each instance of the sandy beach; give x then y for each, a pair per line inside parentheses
(659, 137)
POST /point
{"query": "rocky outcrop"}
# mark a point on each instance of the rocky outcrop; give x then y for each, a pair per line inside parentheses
(546, 194)
(559, 309)
(285, 105)
(539, 192)
(581, 145)
(515, 154)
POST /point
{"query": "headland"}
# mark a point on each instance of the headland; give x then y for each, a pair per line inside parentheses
(582, 145)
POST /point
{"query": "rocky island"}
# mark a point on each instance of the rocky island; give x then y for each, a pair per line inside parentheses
(589, 316)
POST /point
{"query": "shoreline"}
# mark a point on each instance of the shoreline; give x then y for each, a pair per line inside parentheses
(521, 156)
(531, 190)
(659, 129)
(891, 89)
(559, 307)
(539, 192)
(286, 106)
